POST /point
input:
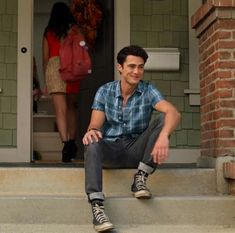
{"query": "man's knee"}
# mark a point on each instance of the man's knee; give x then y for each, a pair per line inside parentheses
(91, 149)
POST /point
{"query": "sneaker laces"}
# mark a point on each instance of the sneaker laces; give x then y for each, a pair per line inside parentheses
(140, 181)
(99, 214)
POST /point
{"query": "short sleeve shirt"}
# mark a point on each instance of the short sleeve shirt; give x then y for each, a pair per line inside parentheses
(53, 43)
(130, 120)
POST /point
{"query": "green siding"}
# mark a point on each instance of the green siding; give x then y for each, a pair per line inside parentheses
(164, 23)
(8, 72)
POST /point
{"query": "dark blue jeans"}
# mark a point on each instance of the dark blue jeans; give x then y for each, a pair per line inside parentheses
(125, 152)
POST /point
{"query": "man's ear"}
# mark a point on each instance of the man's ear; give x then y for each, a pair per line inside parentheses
(119, 68)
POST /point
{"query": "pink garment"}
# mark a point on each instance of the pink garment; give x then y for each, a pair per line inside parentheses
(54, 51)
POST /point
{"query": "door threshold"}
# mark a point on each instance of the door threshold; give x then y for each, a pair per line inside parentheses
(43, 164)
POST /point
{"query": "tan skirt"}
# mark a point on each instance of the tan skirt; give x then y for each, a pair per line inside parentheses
(54, 82)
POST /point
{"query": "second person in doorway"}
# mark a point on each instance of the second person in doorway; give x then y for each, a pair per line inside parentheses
(63, 94)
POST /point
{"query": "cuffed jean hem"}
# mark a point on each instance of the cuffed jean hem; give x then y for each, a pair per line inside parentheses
(146, 168)
(97, 195)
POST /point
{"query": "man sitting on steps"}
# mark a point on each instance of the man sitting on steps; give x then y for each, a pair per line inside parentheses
(120, 132)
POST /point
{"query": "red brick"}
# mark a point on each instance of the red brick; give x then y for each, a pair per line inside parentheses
(217, 76)
(225, 35)
(222, 3)
(226, 123)
(226, 64)
(226, 44)
(229, 170)
(225, 84)
(225, 55)
(228, 103)
(224, 74)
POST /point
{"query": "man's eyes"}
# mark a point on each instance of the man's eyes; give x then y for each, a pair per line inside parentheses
(134, 66)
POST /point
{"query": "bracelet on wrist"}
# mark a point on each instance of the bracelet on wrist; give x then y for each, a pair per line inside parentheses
(93, 129)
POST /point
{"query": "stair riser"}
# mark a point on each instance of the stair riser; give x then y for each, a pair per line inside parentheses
(164, 211)
(46, 106)
(47, 142)
(44, 125)
(70, 181)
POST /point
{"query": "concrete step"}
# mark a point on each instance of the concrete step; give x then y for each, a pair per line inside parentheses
(197, 210)
(69, 181)
(44, 120)
(52, 200)
(44, 123)
(45, 105)
(62, 228)
(47, 141)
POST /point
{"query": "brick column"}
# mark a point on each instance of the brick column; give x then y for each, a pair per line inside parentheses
(214, 23)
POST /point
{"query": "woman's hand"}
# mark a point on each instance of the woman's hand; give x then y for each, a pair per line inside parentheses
(37, 93)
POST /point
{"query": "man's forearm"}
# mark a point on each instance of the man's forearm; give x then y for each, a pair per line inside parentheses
(171, 121)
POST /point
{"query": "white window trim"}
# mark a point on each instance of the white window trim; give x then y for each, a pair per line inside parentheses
(194, 84)
(122, 27)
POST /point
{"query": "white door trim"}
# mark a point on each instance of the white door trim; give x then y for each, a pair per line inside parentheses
(24, 83)
(22, 151)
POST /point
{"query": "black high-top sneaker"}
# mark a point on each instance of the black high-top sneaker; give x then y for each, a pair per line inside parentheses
(65, 153)
(139, 187)
(100, 220)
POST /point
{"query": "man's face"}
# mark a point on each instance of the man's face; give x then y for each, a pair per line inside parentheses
(132, 69)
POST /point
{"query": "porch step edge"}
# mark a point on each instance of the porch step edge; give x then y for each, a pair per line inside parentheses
(117, 182)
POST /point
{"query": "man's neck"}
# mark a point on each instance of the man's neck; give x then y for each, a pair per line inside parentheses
(127, 90)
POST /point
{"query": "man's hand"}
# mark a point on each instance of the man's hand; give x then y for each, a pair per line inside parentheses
(91, 136)
(161, 149)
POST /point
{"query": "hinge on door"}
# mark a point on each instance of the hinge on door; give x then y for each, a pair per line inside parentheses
(0, 90)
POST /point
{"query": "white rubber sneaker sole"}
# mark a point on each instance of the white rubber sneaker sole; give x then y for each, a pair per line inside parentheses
(142, 194)
(104, 227)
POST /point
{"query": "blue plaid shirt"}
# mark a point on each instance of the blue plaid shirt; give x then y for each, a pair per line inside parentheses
(130, 120)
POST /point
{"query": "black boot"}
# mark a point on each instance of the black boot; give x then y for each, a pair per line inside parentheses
(66, 153)
(72, 149)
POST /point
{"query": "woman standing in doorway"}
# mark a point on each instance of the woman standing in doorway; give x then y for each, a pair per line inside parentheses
(64, 94)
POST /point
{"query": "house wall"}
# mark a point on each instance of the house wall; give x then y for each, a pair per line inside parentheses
(8, 70)
(159, 24)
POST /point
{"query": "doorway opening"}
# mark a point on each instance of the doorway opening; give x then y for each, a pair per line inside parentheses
(47, 145)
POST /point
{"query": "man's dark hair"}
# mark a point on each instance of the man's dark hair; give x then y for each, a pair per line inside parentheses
(133, 50)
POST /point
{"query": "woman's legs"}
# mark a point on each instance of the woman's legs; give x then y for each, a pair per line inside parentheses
(72, 115)
(60, 106)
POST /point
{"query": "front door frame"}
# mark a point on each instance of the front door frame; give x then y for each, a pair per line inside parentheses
(22, 151)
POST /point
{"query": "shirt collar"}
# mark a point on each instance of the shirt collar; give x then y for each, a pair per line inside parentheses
(140, 88)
